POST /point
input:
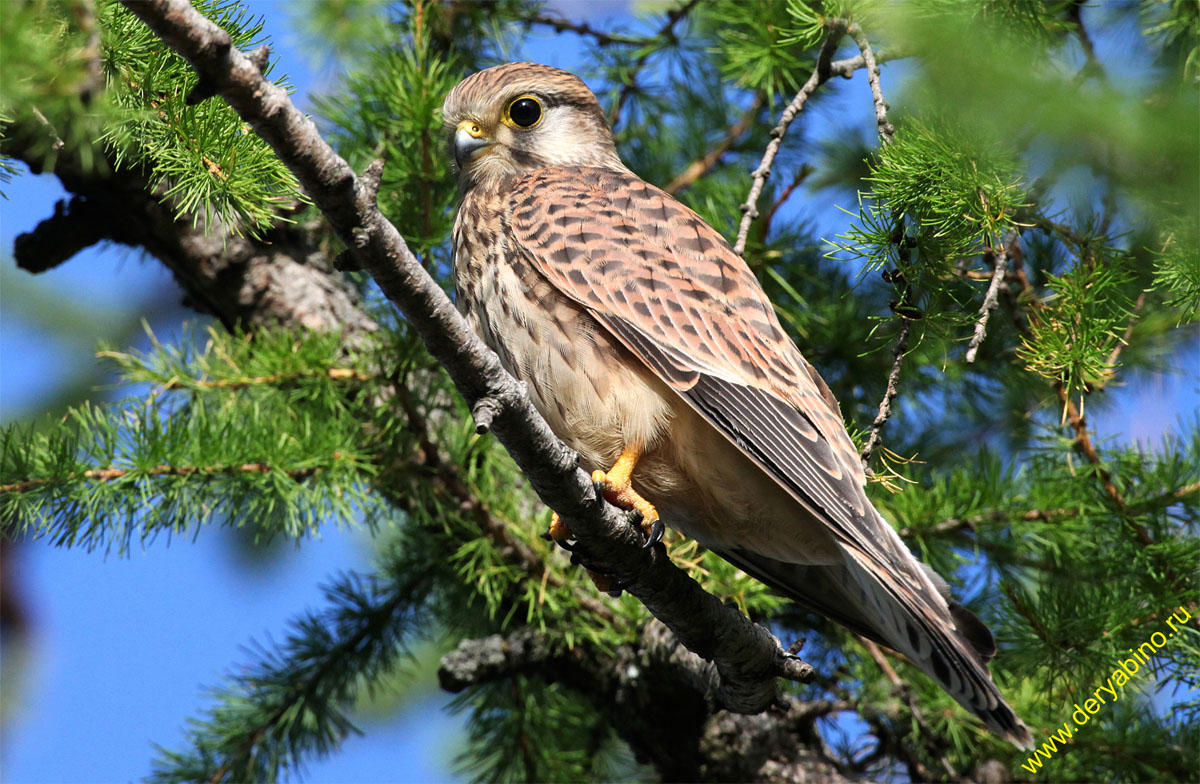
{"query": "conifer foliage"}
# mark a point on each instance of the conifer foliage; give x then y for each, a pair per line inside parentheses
(1016, 242)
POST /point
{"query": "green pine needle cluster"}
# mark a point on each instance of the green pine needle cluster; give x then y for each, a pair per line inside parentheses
(242, 431)
(204, 156)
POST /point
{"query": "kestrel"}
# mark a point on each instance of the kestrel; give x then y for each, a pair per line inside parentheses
(652, 350)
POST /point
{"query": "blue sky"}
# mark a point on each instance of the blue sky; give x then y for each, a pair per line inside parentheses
(123, 648)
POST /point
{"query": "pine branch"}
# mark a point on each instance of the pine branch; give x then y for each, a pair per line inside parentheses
(955, 524)
(657, 696)
(293, 700)
(821, 73)
(665, 33)
(748, 657)
(111, 474)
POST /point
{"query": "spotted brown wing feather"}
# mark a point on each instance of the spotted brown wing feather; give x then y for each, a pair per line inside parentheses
(670, 288)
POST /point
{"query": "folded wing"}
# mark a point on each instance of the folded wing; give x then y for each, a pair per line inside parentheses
(670, 289)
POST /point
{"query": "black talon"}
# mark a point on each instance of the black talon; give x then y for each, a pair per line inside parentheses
(657, 529)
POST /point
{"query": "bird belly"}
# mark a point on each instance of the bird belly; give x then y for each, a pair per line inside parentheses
(592, 392)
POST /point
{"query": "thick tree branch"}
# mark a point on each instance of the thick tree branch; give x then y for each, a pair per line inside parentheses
(75, 225)
(748, 658)
(279, 280)
(656, 694)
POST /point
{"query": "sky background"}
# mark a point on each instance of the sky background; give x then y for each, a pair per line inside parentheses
(122, 648)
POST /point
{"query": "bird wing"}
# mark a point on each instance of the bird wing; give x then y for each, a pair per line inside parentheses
(671, 289)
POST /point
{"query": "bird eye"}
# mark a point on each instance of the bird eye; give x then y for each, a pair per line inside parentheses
(524, 112)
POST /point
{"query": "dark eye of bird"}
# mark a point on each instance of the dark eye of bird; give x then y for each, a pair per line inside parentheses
(525, 112)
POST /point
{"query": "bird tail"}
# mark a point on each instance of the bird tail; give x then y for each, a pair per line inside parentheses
(907, 608)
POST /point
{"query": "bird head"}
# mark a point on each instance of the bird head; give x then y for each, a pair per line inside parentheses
(519, 117)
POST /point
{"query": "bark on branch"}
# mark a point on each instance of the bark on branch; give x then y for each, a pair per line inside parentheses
(747, 657)
(655, 694)
(278, 280)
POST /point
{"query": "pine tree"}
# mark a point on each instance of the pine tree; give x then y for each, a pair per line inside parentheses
(1019, 235)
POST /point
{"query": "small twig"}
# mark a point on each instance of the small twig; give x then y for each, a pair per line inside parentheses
(1084, 445)
(955, 524)
(58, 143)
(699, 167)
(1092, 63)
(1123, 342)
(242, 382)
(893, 388)
(803, 173)
(601, 37)
(484, 411)
(821, 73)
(1001, 256)
(904, 692)
(93, 74)
(1026, 612)
(885, 128)
(886, 134)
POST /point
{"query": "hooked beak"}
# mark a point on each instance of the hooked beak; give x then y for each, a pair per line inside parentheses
(468, 140)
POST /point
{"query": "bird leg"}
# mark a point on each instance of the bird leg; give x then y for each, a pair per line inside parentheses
(617, 488)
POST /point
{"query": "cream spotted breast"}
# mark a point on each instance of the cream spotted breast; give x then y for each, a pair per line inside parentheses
(591, 391)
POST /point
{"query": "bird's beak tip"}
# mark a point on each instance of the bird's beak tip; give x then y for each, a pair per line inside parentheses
(469, 139)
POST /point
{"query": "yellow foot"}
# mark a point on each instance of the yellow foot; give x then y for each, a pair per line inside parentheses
(558, 529)
(617, 486)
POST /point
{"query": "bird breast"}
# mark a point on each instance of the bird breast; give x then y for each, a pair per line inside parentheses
(592, 392)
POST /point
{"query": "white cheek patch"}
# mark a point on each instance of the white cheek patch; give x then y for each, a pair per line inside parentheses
(558, 137)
